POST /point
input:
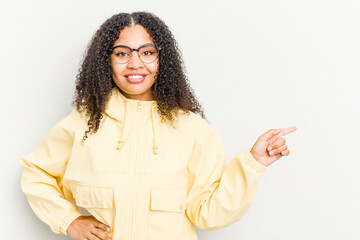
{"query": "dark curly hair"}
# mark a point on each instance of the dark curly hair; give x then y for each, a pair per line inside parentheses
(94, 82)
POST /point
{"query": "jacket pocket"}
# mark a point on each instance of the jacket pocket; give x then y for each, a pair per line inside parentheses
(97, 200)
(171, 200)
(167, 213)
(89, 196)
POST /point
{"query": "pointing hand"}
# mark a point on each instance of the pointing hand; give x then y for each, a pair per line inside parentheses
(270, 146)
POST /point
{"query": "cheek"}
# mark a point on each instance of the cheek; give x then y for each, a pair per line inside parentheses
(117, 69)
(112, 64)
(154, 68)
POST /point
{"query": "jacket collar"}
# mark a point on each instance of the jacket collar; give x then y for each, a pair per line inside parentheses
(116, 105)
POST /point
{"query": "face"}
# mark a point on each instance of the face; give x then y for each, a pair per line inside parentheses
(134, 87)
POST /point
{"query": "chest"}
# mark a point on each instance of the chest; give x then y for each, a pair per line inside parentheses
(100, 157)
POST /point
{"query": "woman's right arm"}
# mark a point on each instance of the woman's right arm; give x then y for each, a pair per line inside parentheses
(42, 175)
(42, 182)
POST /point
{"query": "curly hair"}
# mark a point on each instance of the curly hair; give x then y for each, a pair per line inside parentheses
(94, 82)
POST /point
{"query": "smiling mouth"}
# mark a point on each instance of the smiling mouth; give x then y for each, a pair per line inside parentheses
(135, 78)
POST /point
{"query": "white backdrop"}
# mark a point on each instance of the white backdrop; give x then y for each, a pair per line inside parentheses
(283, 63)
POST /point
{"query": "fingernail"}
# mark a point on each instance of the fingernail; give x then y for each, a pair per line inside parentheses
(108, 229)
(271, 153)
(269, 148)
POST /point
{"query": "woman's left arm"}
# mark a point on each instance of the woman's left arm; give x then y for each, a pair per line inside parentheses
(219, 195)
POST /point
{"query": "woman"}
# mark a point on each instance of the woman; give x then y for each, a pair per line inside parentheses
(136, 151)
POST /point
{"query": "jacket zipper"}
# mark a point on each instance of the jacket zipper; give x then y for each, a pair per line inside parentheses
(135, 168)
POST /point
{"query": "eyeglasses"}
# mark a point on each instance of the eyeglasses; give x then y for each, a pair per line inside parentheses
(147, 53)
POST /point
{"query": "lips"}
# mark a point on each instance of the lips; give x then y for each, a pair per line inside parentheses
(135, 78)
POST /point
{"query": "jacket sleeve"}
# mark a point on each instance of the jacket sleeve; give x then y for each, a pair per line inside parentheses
(42, 175)
(219, 195)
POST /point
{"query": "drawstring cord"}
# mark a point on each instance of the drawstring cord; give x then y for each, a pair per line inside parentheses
(122, 130)
(155, 148)
(121, 141)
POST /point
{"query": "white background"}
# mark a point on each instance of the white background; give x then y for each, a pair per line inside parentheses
(279, 63)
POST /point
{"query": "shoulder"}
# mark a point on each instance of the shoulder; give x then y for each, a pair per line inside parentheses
(199, 126)
(73, 121)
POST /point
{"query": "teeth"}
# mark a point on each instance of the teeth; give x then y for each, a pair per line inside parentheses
(135, 76)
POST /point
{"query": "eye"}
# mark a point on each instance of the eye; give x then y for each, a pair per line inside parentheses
(121, 54)
(147, 53)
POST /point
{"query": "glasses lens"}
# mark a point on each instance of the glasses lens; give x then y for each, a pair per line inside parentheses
(122, 54)
(148, 54)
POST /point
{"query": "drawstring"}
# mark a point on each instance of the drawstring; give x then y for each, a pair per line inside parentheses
(155, 148)
(122, 130)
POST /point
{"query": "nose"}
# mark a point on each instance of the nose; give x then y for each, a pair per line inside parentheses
(135, 61)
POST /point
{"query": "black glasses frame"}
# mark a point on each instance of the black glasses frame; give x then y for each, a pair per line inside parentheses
(136, 49)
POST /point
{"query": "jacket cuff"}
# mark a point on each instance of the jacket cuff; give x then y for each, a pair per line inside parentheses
(67, 221)
(248, 159)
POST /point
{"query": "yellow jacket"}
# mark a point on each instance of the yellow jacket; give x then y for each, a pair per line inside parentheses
(139, 175)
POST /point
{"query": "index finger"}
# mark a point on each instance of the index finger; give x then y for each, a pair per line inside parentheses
(286, 131)
(282, 133)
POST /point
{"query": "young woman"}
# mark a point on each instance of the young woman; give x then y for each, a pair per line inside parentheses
(136, 151)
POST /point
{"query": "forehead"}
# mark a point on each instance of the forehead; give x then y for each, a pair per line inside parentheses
(134, 36)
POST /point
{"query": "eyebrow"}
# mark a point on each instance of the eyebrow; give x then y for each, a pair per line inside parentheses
(137, 47)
